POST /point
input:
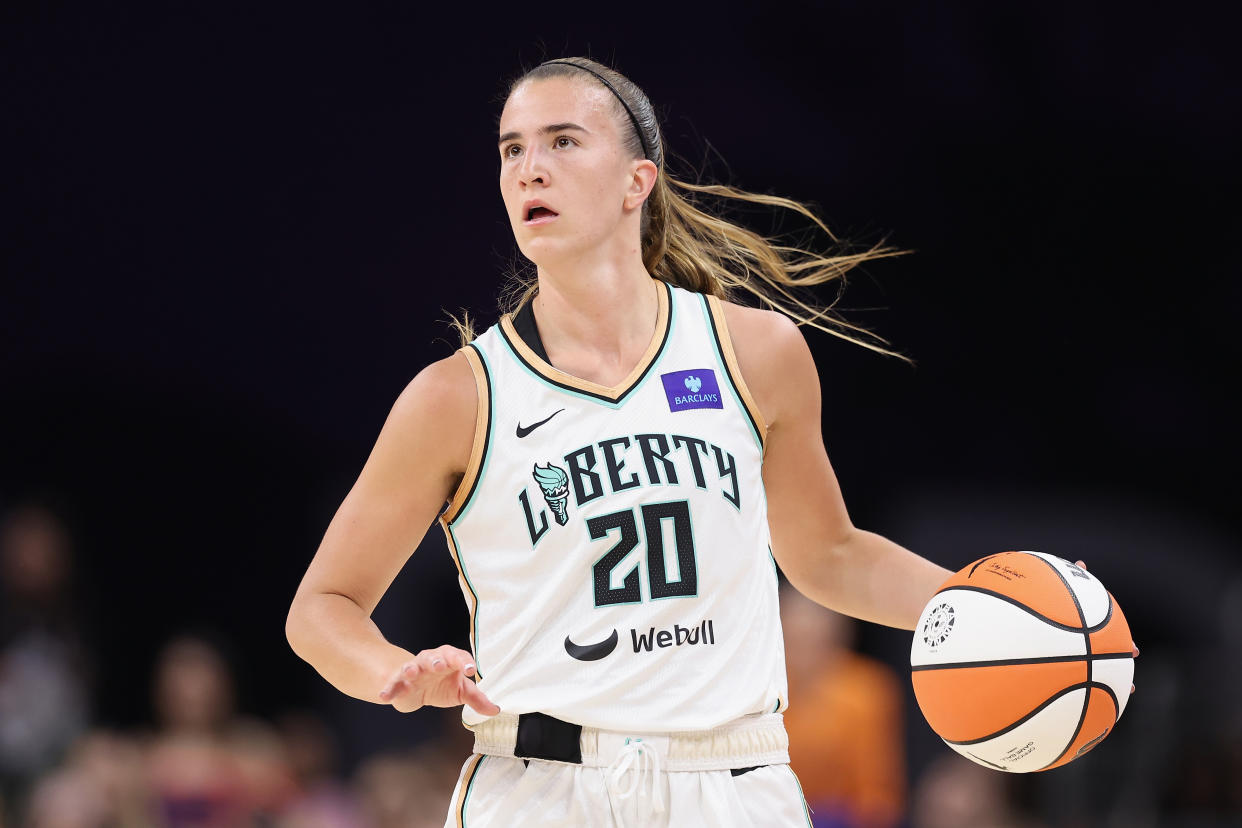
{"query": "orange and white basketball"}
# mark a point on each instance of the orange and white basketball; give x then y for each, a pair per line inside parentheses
(1022, 662)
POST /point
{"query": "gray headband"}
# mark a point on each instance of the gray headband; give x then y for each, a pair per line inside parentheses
(612, 89)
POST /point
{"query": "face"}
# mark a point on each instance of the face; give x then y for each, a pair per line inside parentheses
(193, 686)
(561, 146)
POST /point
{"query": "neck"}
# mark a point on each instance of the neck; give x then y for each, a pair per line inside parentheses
(596, 317)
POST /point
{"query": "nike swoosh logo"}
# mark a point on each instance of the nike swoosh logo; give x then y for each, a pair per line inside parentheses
(522, 431)
(592, 652)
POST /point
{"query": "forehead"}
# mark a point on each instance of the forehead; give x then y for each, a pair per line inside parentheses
(537, 103)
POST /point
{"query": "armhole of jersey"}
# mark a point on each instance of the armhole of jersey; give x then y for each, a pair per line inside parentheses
(482, 434)
(725, 343)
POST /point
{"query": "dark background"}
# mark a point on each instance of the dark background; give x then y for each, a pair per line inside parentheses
(229, 238)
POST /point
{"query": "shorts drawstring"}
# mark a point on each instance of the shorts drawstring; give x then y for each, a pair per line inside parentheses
(643, 762)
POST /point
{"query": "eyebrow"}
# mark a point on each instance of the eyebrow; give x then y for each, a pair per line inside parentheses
(509, 136)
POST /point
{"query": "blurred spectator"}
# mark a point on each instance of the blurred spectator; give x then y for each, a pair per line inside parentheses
(1202, 776)
(103, 783)
(409, 789)
(955, 793)
(208, 766)
(43, 665)
(844, 720)
(321, 800)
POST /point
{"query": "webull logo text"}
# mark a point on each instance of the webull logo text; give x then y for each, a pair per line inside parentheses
(678, 636)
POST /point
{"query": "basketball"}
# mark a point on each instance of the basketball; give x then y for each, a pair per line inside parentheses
(1022, 662)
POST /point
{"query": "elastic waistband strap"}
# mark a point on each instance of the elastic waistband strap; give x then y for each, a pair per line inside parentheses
(745, 742)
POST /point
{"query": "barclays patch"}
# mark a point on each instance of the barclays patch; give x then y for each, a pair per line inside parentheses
(696, 388)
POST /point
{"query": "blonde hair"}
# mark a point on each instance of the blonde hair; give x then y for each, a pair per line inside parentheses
(688, 243)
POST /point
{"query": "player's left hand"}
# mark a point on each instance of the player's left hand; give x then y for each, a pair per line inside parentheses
(1134, 650)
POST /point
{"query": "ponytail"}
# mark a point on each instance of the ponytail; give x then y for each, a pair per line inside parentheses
(687, 241)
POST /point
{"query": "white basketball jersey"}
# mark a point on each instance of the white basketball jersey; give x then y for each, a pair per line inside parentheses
(612, 543)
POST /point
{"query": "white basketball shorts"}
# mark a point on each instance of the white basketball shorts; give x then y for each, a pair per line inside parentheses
(537, 771)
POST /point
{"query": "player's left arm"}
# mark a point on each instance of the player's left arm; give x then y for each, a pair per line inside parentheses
(819, 549)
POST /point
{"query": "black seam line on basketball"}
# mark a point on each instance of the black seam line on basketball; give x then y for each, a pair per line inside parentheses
(487, 436)
(523, 431)
(1083, 718)
(668, 329)
(1015, 602)
(1086, 637)
(1028, 716)
(986, 762)
(1108, 615)
(1113, 696)
(980, 563)
(1082, 616)
(711, 320)
(1010, 662)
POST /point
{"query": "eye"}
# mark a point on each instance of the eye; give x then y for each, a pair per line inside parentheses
(563, 141)
(508, 151)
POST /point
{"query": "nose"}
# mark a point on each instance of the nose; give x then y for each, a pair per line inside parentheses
(532, 168)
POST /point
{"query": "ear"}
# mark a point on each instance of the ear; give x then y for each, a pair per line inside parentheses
(642, 181)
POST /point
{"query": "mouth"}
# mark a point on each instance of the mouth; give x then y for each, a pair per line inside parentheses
(539, 215)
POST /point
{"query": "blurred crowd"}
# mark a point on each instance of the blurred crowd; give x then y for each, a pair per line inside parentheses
(202, 762)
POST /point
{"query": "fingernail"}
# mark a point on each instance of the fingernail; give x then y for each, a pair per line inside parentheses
(469, 666)
(436, 662)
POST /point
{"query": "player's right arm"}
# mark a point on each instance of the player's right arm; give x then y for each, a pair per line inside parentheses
(417, 461)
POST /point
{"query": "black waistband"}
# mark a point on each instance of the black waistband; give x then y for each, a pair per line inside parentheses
(540, 736)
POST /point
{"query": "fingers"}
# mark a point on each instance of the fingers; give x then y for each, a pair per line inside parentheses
(399, 683)
(1134, 650)
(1080, 564)
(408, 673)
(459, 660)
(473, 696)
(434, 665)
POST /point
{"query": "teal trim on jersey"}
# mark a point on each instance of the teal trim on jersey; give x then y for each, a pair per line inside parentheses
(724, 372)
(589, 397)
(465, 802)
(776, 570)
(681, 576)
(461, 561)
(806, 809)
(461, 515)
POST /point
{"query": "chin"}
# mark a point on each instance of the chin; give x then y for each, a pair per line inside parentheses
(545, 252)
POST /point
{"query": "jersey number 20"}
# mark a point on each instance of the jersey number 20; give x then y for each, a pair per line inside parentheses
(659, 586)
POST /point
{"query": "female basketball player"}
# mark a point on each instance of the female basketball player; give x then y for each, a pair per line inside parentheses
(625, 461)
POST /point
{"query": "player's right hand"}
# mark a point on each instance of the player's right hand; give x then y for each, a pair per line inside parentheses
(442, 677)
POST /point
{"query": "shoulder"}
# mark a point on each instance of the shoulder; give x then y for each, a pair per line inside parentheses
(435, 412)
(773, 357)
(446, 385)
(762, 333)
